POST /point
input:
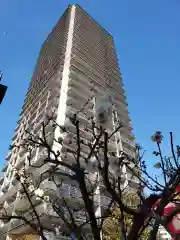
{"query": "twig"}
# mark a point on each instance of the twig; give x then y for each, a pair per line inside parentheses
(162, 163)
(172, 150)
(107, 183)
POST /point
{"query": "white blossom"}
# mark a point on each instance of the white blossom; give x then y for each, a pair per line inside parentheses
(22, 171)
(1, 224)
(31, 188)
(22, 179)
(57, 231)
(14, 169)
(39, 192)
(46, 198)
(45, 205)
(157, 137)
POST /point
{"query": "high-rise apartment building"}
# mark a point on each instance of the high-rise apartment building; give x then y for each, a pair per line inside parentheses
(77, 62)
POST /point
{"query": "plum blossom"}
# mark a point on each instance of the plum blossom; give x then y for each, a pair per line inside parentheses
(31, 188)
(39, 193)
(14, 169)
(22, 179)
(57, 231)
(1, 224)
(157, 137)
(46, 198)
(22, 171)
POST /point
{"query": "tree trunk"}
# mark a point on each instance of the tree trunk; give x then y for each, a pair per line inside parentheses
(140, 218)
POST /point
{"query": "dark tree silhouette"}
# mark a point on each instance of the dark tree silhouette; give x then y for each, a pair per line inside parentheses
(82, 158)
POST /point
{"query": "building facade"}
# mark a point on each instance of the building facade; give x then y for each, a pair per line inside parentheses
(77, 62)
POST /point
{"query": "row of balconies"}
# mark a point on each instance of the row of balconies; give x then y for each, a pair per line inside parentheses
(78, 66)
(60, 25)
(129, 152)
(78, 79)
(87, 21)
(91, 67)
(41, 114)
(86, 67)
(83, 28)
(129, 142)
(116, 79)
(77, 76)
(72, 101)
(71, 193)
(93, 48)
(89, 31)
(84, 121)
(96, 56)
(75, 105)
(47, 82)
(54, 86)
(95, 52)
(8, 156)
(95, 60)
(90, 73)
(95, 64)
(85, 150)
(58, 42)
(48, 78)
(86, 124)
(77, 93)
(87, 135)
(67, 191)
(85, 131)
(43, 211)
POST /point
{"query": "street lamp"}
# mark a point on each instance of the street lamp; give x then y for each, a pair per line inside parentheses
(3, 89)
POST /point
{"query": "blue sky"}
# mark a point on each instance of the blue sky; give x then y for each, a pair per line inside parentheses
(147, 38)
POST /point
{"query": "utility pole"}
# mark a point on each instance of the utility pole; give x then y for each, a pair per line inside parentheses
(3, 89)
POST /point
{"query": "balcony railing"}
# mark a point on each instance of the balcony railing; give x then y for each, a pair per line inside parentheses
(20, 161)
(9, 208)
(129, 152)
(67, 190)
(128, 141)
(102, 200)
(21, 203)
(5, 188)
(8, 155)
(22, 151)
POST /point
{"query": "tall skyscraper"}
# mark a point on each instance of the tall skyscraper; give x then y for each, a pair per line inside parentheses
(77, 62)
